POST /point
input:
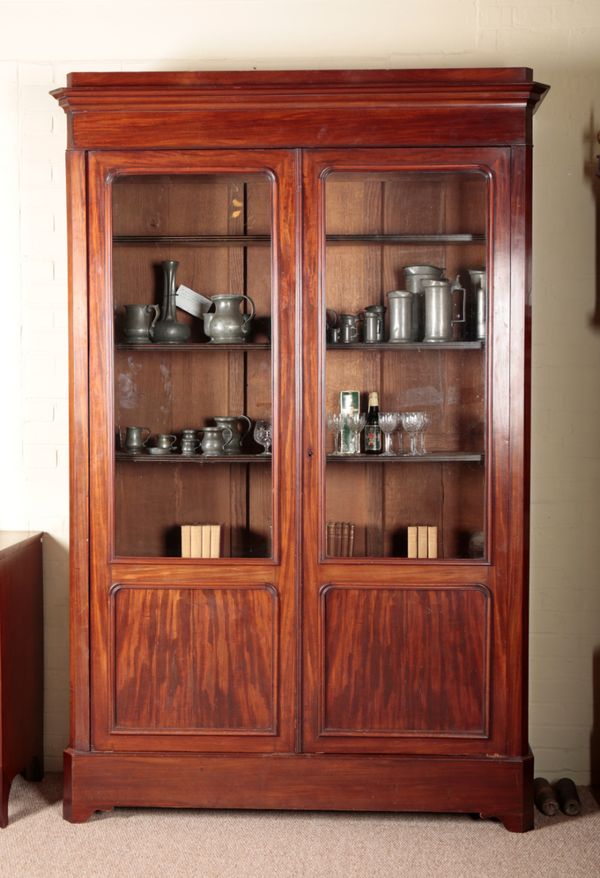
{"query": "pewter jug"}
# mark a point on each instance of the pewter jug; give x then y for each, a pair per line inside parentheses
(400, 306)
(215, 440)
(168, 330)
(139, 323)
(232, 423)
(438, 310)
(226, 324)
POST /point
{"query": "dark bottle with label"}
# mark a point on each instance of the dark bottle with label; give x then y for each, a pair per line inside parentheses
(373, 442)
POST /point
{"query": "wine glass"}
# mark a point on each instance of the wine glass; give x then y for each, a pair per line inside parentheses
(388, 421)
(426, 420)
(263, 434)
(335, 423)
(412, 423)
(355, 423)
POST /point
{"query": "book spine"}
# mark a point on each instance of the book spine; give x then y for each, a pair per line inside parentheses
(215, 540)
(186, 541)
(338, 539)
(422, 541)
(205, 531)
(330, 539)
(195, 541)
(351, 542)
(412, 542)
(432, 542)
(345, 538)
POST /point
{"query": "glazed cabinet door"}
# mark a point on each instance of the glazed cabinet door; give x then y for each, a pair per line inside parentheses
(406, 589)
(193, 474)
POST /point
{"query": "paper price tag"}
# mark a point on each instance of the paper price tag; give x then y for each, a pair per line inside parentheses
(192, 302)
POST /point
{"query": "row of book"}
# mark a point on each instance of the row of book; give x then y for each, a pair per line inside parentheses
(340, 539)
(422, 541)
(200, 540)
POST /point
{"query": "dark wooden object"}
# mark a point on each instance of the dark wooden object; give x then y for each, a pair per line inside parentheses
(21, 661)
(545, 797)
(568, 797)
(287, 679)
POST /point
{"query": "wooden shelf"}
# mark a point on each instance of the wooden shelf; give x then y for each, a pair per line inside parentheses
(406, 239)
(144, 457)
(407, 346)
(197, 240)
(433, 457)
(194, 347)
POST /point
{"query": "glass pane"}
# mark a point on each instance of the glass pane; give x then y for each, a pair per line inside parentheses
(405, 311)
(205, 492)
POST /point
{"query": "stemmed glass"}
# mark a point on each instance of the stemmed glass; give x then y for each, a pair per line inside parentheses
(426, 420)
(263, 434)
(355, 423)
(335, 423)
(413, 423)
(388, 421)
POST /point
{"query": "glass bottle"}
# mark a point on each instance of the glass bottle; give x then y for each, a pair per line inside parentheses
(373, 442)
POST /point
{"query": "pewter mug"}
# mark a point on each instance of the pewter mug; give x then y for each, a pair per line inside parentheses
(226, 324)
(438, 310)
(165, 441)
(215, 441)
(373, 323)
(190, 441)
(349, 328)
(400, 307)
(139, 322)
(134, 438)
(232, 423)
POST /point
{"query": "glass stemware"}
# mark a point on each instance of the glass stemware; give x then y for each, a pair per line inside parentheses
(355, 424)
(421, 434)
(335, 423)
(413, 423)
(388, 421)
(263, 434)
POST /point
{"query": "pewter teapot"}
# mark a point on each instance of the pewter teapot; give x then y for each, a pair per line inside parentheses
(226, 324)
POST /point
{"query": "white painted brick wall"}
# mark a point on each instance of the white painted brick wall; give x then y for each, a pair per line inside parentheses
(559, 39)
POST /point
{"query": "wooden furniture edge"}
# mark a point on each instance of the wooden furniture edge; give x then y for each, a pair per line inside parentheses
(494, 787)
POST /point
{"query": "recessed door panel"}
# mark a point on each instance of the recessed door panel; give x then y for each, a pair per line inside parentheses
(195, 659)
(399, 661)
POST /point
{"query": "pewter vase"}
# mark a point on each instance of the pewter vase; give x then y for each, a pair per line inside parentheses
(168, 330)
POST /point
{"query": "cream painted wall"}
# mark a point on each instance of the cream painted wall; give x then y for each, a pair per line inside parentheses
(41, 41)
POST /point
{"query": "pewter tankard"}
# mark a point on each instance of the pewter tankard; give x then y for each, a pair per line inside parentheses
(138, 323)
(438, 310)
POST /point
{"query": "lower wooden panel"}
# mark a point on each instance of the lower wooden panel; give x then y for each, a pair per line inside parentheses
(500, 788)
(194, 659)
(421, 654)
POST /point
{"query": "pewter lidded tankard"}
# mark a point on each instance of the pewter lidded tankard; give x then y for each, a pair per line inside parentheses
(414, 275)
(438, 310)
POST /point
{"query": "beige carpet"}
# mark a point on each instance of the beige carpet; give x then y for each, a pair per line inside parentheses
(224, 844)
